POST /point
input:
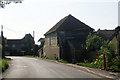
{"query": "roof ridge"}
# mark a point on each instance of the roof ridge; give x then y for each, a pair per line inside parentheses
(107, 30)
(55, 27)
(76, 22)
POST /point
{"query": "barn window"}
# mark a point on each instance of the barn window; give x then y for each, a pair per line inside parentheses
(13, 46)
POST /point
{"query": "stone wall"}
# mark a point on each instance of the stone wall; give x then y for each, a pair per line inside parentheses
(51, 49)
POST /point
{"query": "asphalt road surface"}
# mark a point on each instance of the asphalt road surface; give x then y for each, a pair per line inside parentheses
(24, 67)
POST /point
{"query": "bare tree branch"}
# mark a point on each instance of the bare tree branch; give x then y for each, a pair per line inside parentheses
(6, 2)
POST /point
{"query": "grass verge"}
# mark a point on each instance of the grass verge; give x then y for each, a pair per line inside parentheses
(95, 64)
(86, 64)
(30, 56)
(60, 60)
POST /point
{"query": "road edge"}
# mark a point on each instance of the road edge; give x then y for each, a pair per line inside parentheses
(84, 69)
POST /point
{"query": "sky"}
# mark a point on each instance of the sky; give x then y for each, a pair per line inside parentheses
(41, 15)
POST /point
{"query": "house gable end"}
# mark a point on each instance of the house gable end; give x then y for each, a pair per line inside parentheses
(69, 23)
(73, 24)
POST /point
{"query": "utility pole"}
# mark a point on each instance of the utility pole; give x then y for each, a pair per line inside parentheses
(3, 42)
(34, 43)
(33, 34)
(1, 30)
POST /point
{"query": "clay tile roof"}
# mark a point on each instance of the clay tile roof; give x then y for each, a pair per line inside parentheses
(15, 41)
(54, 28)
(106, 34)
(68, 21)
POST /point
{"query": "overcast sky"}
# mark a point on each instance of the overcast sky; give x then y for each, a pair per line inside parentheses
(41, 15)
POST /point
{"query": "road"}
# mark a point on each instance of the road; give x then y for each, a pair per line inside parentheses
(24, 67)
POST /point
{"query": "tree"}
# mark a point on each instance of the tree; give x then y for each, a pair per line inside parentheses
(29, 43)
(42, 41)
(3, 46)
(35, 49)
(94, 42)
(6, 2)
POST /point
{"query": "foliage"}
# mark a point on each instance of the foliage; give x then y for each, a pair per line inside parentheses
(86, 61)
(52, 58)
(4, 41)
(112, 59)
(3, 65)
(101, 51)
(0, 50)
(95, 64)
(62, 61)
(6, 2)
(7, 58)
(94, 42)
(29, 43)
(44, 57)
(35, 49)
(30, 56)
(86, 64)
(42, 41)
(114, 68)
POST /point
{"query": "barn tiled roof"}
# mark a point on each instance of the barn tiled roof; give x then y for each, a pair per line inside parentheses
(68, 23)
(19, 41)
(15, 41)
(106, 34)
(54, 28)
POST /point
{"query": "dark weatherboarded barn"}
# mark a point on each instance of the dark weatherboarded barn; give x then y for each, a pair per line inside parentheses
(20, 46)
(64, 40)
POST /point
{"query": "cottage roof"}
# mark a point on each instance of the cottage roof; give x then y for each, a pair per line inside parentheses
(106, 34)
(20, 41)
(68, 23)
(14, 41)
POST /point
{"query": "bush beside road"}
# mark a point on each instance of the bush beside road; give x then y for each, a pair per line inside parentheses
(4, 64)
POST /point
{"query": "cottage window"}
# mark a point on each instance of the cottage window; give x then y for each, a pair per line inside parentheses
(53, 41)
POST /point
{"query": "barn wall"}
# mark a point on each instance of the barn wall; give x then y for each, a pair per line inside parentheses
(115, 44)
(51, 49)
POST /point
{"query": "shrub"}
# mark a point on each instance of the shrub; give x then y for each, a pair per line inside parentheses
(86, 64)
(62, 61)
(114, 68)
(0, 66)
(5, 65)
(44, 57)
(52, 59)
(94, 42)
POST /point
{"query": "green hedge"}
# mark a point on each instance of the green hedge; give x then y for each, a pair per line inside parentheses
(3, 65)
